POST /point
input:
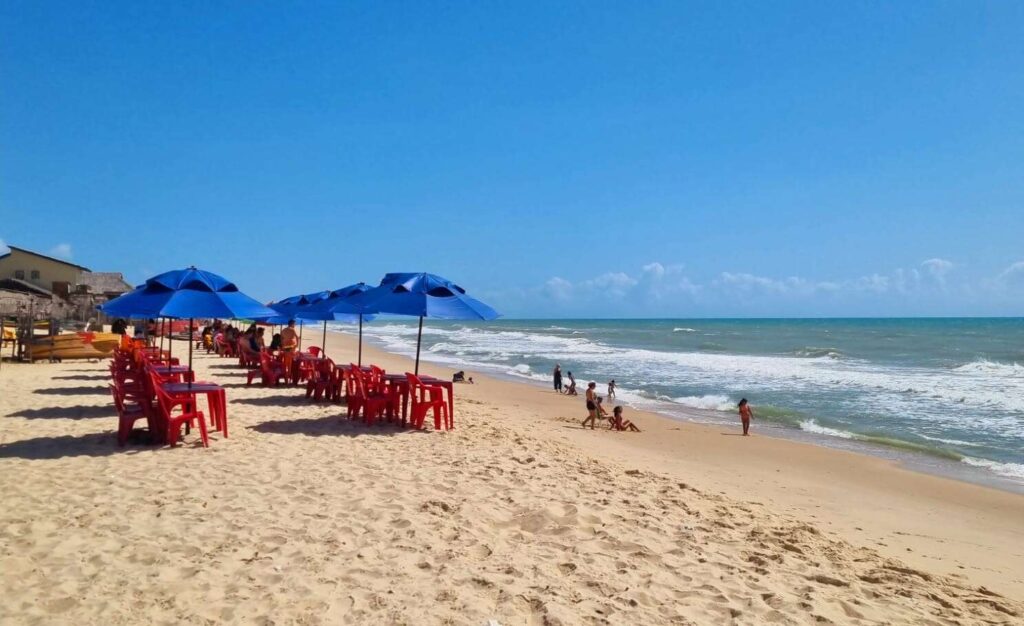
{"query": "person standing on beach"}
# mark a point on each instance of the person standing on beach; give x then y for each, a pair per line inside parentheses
(611, 389)
(289, 344)
(591, 406)
(745, 416)
(558, 378)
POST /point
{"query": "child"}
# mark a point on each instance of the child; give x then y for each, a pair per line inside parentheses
(611, 389)
(618, 424)
(745, 416)
(571, 389)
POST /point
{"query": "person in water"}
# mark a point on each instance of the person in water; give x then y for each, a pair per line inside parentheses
(745, 416)
(611, 389)
(591, 406)
(557, 374)
(619, 424)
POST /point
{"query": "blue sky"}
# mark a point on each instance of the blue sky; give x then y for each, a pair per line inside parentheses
(557, 159)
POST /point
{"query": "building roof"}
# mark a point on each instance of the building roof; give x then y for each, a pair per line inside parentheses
(104, 282)
(23, 286)
(43, 256)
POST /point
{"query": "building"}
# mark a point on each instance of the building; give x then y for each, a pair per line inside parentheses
(63, 282)
(40, 270)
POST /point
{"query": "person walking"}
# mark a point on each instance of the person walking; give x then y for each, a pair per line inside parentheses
(591, 406)
(557, 374)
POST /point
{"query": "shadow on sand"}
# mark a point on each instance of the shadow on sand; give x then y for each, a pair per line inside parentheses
(83, 377)
(93, 444)
(290, 400)
(331, 426)
(73, 391)
(68, 412)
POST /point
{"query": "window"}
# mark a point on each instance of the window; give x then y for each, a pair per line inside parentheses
(19, 274)
(35, 274)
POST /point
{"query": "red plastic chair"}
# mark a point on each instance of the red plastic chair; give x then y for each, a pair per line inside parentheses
(314, 350)
(305, 368)
(374, 405)
(321, 381)
(375, 379)
(353, 401)
(128, 414)
(271, 371)
(423, 398)
(188, 416)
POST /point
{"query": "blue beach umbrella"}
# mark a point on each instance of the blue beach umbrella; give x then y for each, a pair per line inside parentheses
(338, 305)
(297, 308)
(421, 295)
(186, 294)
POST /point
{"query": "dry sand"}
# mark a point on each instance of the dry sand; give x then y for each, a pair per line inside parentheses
(518, 515)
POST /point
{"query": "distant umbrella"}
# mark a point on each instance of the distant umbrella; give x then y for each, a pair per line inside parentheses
(186, 294)
(422, 295)
(338, 305)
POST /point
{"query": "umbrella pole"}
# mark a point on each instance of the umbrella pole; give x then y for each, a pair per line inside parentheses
(419, 340)
(323, 344)
(360, 340)
(190, 357)
(170, 351)
(161, 334)
(300, 335)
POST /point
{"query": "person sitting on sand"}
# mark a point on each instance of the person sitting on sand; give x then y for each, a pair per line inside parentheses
(619, 424)
(571, 389)
(745, 416)
(601, 412)
(459, 377)
(611, 389)
(591, 406)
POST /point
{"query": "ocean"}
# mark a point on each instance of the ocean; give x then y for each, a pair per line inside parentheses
(939, 395)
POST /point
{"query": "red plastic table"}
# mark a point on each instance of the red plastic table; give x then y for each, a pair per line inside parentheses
(175, 373)
(216, 398)
(399, 384)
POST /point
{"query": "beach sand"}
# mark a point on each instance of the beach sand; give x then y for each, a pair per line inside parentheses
(518, 515)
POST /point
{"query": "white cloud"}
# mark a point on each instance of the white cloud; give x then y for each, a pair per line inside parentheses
(613, 284)
(748, 283)
(61, 251)
(558, 289)
(937, 269)
(1013, 275)
(660, 289)
(3, 247)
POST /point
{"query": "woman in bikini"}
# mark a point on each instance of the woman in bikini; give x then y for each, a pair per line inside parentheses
(619, 424)
(745, 416)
